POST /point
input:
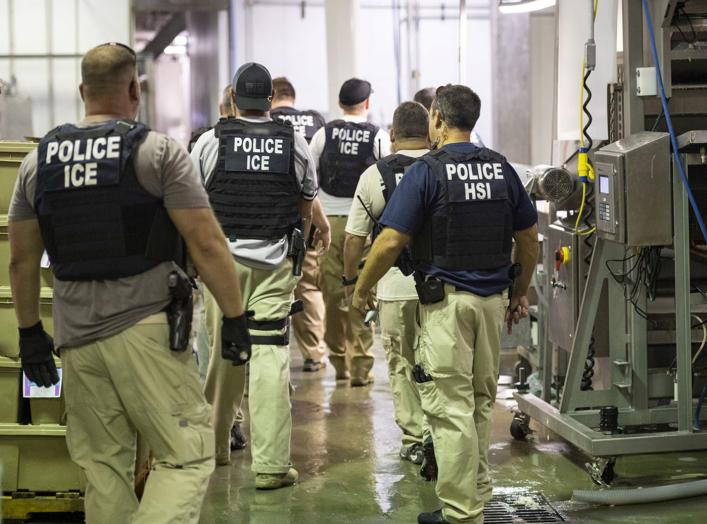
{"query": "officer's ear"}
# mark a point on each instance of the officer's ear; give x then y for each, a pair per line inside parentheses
(134, 89)
(367, 103)
(392, 135)
(81, 87)
(436, 118)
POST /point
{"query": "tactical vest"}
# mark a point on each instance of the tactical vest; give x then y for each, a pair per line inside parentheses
(96, 220)
(254, 191)
(472, 229)
(306, 123)
(392, 169)
(348, 151)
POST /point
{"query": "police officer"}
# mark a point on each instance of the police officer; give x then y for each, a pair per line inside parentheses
(308, 326)
(397, 298)
(426, 95)
(343, 150)
(108, 200)
(306, 123)
(261, 181)
(461, 206)
(201, 340)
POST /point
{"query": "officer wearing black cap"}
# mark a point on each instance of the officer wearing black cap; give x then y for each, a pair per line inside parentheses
(261, 181)
(343, 150)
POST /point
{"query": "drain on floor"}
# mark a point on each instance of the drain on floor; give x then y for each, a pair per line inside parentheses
(520, 507)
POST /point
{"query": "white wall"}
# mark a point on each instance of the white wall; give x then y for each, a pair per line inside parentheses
(56, 27)
(542, 87)
(574, 27)
(290, 45)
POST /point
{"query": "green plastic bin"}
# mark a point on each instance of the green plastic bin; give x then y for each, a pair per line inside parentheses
(10, 379)
(11, 156)
(35, 458)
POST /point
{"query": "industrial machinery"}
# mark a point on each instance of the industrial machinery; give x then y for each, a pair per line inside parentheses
(622, 365)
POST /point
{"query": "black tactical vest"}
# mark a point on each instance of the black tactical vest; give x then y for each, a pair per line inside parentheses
(347, 153)
(96, 220)
(392, 169)
(306, 123)
(473, 228)
(254, 191)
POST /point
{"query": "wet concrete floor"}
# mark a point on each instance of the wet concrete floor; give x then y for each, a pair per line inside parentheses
(345, 445)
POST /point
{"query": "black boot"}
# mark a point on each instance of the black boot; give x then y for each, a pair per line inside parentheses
(428, 469)
(431, 518)
(238, 440)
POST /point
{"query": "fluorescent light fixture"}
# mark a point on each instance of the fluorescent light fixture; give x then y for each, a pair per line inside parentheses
(524, 6)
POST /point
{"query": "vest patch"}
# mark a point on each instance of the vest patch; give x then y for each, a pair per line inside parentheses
(258, 153)
(83, 162)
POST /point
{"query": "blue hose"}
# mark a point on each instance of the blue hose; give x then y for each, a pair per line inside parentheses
(669, 121)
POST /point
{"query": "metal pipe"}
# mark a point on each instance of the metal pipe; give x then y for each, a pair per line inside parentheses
(48, 19)
(618, 497)
(463, 42)
(11, 36)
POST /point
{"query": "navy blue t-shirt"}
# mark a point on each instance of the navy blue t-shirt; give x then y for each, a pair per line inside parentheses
(416, 199)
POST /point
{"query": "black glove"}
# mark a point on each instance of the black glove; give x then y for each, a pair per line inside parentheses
(36, 348)
(235, 340)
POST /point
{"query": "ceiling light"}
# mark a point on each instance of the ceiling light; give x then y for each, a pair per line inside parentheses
(524, 6)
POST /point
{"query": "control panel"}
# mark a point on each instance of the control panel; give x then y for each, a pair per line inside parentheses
(632, 190)
(605, 196)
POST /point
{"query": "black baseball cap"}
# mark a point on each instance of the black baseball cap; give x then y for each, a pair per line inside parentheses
(354, 91)
(252, 86)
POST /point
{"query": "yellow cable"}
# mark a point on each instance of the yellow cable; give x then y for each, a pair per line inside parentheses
(581, 209)
(587, 232)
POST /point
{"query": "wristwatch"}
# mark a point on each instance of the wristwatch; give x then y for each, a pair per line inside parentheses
(347, 282)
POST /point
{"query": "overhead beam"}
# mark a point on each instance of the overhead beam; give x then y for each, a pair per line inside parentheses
(175, 25)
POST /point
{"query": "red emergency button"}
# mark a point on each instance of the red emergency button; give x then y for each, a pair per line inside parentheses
(562, 256)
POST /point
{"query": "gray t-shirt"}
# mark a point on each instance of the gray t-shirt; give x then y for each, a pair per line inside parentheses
(88, 311)
(256, 253)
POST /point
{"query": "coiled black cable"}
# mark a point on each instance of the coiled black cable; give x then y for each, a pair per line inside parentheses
(585, 107)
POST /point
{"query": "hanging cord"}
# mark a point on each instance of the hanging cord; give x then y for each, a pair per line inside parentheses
(586, 172)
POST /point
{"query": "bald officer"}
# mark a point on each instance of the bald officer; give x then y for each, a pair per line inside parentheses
(343, 150)
(261, 181)
(108, 200)
(308, 326)
(397, 298)
(461, 207)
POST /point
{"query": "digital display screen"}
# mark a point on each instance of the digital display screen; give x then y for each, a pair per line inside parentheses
(604, 185)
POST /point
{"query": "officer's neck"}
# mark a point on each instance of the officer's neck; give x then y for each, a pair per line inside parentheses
(363, 113)
(410, 144)
(287, 102)
(456, 136)
(104, 117)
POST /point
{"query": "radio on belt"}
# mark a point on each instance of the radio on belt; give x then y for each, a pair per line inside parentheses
(632, 188)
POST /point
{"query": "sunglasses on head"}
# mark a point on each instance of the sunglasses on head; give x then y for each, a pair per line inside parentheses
(123, 46)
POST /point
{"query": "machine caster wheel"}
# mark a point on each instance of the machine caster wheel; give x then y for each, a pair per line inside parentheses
(520, 426)
(522, 370)
(602, 471)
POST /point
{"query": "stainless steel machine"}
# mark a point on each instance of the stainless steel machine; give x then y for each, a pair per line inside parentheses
(622, 365)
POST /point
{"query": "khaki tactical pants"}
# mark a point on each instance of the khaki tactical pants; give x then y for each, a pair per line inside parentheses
(268, 293)
(349, 340)
(308, 326)
(459, 348)
(399, 331)
(127, 384)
